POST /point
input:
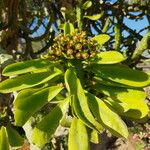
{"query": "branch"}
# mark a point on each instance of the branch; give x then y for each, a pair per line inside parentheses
(27, 30)
(3, 26)
(43, 35)
(143, 45)
(137, 35)
(48, 44)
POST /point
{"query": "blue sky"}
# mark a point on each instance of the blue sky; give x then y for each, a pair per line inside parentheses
(137, 25)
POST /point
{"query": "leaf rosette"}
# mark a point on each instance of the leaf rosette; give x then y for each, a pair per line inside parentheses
(95, 89)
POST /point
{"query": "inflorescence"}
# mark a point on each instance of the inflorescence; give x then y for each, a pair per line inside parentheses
(73, 46)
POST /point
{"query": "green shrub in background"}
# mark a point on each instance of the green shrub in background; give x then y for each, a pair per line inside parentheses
(87, 84)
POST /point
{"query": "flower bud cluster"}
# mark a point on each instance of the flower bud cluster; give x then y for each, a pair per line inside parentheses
(75, 46)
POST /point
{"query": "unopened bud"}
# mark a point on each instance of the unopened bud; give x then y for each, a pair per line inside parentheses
(69, 52)
(78, 55)
(58, 53)
(78, 46)
(93, 54)
(85, 55)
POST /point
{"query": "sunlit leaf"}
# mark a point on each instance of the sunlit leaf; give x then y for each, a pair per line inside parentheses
(107, 82)
(109, 57)
(129, 102)
(107, 117)
(94, 17)
(45, 129)
(78, 136)
(122, 74)
(93, 136)
(26, 66)
(61, 26)
(26, 81)
(87, 5)
(4, 144)
(29, 101)
(68, 28)
(79, 100)
(136, 111)
(101, 38)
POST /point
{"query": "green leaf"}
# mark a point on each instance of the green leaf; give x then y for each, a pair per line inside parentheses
(101, 38)
(26, 81)
(107, 117)
(68, 28)
(121, 74)
(45, 129)
(4, 144)
(26, 66)
(130, 102)
(109, 57)
(93, 136)
(66, 121)
(103, 81)
(138, 111)
(122, 94)
(79, 100)
(95, 17)
(28, 98)
(15, 139)
(61, 26)
(87, 5)
(78, 136)
(29, 101)
(106, 25)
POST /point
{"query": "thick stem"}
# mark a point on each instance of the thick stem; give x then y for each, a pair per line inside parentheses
(79, 15)
(143, 45)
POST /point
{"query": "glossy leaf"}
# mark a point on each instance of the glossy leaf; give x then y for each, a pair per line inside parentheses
(28, 128)
(138, 111)
(87, 5)
(95, 17)
(107, 117)
(68, 28)
(28, 98)
(66, 121)
(45, 129)
(122, 74)
(122, 94)
(26, 81)
(26, 66)
(79, 100)
(4, 144)
(130, 101)
(78, 136)
(101, 38)
(15, 139)
(109, 57)
(93, 136)
(29, 101)
(61, 26)
(103, 81)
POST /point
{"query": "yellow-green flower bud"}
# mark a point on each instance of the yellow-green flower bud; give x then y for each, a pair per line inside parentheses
(78, 46)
